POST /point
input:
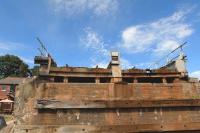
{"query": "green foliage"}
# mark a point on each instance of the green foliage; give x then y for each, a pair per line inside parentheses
(11, 65)
(35, 71)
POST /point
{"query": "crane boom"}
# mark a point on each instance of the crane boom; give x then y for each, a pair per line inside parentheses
(179, 47)
(42, 48)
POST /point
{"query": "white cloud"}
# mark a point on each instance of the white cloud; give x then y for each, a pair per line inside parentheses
(10, 46)
(143, 65)
(160, 36)
(27, 60)
(4, 46)
(195, 74)
(98, 7)
(165, 46)
(125, 63)
(93, 41)
(100, 63)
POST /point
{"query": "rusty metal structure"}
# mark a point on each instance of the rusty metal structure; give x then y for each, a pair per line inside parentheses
(108, 100)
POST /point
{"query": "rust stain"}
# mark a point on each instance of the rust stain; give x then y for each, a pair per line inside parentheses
(96, 100)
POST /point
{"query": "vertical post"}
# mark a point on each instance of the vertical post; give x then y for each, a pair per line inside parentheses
(180, 65)
(11, 107)
(115, 67)
(97, 80)
(51, 79)
(66, 80)
(164, 80)
(135, 80)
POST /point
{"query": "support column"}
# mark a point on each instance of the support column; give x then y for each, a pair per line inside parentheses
(51, 79)
(135, 80)
(66, 80)
(164, 80)
(115, 67)
(97, 80)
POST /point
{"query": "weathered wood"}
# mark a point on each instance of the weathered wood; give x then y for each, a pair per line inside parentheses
(151, 128)
(107, 108)
(56, 104)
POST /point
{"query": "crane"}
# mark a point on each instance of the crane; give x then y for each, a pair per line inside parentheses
(166, 56)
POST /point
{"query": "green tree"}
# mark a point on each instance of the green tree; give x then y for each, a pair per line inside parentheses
(11, 65)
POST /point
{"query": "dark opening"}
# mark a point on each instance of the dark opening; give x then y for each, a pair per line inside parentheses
(128, 80)
(170, 80)
(105, 80)
(115, 58)
(149, 80)
(46, 79)
(157, 80)
(59, 79)
(81, 80)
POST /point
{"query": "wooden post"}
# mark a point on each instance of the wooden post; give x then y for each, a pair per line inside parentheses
(176, 80)
(164, 80)
(66, 80)
(97, 80)
(135, 80)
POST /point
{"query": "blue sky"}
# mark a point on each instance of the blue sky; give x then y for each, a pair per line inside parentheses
(83, 32)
